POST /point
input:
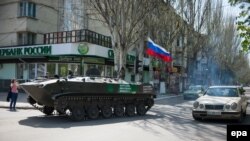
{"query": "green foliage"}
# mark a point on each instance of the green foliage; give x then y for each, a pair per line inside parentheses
(242, 91)
(233, 2)
(243, 26)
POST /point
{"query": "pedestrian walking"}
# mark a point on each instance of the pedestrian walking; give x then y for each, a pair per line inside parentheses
(14, 94)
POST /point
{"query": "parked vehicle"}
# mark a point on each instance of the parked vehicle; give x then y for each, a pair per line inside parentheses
(221, 102)
(88, 97)
(193, 92)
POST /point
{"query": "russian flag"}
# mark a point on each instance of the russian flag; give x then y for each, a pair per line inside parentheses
(158, 51)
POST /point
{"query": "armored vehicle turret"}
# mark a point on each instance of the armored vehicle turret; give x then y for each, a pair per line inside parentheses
(90, 97)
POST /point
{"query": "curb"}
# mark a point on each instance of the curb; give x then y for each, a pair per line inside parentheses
(5, 107)
(18, 105)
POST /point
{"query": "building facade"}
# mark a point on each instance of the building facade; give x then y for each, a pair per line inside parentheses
(41, 39)
(25, 22)
(34, 45)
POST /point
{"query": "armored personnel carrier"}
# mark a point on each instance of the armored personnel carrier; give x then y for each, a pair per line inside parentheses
(90, 97)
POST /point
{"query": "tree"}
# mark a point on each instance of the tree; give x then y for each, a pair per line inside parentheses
(241, 69)
(228, 50)
(164, 27)
(125, 21)
(227, 64)
(244, 23)
(195, 14)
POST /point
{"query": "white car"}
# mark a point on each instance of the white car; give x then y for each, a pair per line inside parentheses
(221, 102)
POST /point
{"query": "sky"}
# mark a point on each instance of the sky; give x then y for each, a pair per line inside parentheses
(230, 10)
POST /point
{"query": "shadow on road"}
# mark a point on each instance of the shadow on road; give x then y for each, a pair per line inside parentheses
(180, 124)
(179, 121)
(65, 122)
(173, 116)
(173, 101)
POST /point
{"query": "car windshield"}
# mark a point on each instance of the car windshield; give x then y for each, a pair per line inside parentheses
(223, 92)
(195, 88)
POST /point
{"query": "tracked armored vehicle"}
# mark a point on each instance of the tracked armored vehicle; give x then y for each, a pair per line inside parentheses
(90, 97)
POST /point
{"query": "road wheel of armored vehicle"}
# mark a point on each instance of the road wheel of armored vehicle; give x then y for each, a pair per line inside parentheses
(119, 110)
(77, 113)
(48, 110)
(106, 111)
(130, 110)
(60, 112)
(149, 103)
(92, 111)
(141, 109)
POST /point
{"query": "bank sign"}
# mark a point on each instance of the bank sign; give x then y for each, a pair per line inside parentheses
(26, 51)
(78, 49)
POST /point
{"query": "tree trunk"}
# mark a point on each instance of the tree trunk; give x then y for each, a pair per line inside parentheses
(120, 59)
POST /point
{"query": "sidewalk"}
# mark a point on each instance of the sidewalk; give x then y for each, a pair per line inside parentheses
(20, 104)
(23, 104)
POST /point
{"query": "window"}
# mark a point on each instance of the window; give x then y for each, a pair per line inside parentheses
(75, 68)
(178, 42)
(27, 9)
(77, 36)
(32, 69)
(41, 70)
(109, 72)
(223, 92)
(26, 38)
(63, 70)
(95, 70)
(101, 69)
(20, 69)
(51, 70)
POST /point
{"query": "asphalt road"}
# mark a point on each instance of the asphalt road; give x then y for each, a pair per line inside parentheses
(169, 119)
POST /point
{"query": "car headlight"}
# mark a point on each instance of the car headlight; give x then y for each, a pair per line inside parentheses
(233, 106)
(201, 106)
(227, 106)
(196, 104)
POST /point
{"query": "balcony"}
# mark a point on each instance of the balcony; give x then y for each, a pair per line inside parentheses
(75, 36)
